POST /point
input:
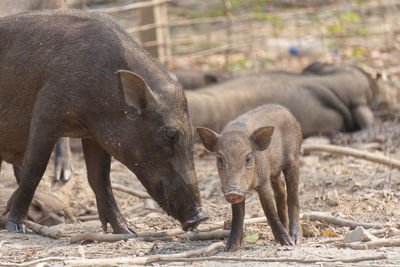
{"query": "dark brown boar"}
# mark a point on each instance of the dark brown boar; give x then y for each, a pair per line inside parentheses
(63, 163)
(252, 151)
(79, 74)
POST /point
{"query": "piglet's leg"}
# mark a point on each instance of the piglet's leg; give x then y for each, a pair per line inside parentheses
(291, 173)
(236, 235)
(267, 202)
(98, 163)
(280, 199)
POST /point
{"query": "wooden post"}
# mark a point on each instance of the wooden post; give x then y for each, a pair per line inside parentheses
(146, 16)
(228, 14)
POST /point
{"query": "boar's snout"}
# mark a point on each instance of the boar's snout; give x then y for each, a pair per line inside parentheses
(234, 195)
(193, 222)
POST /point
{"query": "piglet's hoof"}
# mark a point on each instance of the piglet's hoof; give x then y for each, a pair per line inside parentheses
(232, 246)
(16, 228)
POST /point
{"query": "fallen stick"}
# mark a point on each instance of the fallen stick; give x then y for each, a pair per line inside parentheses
(221, 234)
(96, 216)
(348, 151)
(338, 221)
(43, 230)
(143, 260)
(297, 260)
(137, 193)
(374, 244)
(35, 262)
(100, 237)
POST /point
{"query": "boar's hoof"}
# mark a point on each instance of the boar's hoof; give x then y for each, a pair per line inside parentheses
(16, 228)
(285, 240)
(193, 222)
(296, 236)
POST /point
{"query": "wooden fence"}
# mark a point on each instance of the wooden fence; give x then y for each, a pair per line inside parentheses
(331, 28)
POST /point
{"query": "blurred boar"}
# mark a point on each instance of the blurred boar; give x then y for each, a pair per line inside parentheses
(252, 151)
(10, 7)
(79, 74)
(355, 87)
(319, 106)
(45, 209)
(193, 79)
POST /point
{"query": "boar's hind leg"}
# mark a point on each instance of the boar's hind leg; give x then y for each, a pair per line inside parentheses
(17, 173)
(40, 144)
(63, 162)
(280, 199)
(236, 235)
(98, 164)
(267, 202)
(291, 173)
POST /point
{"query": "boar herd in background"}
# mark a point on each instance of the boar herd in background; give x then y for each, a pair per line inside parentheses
(70, 73)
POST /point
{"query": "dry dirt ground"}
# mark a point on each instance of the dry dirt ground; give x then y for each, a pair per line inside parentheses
(367, 191)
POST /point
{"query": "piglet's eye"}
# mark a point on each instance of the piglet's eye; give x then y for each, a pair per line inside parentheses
(249, 159)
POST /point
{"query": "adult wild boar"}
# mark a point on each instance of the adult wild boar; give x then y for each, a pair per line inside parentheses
(79, 74)
(319, 108)
(63, 163)
(252, 151)
(193, 79)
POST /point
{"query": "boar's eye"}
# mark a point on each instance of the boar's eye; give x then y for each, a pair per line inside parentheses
(219, 159)
(170, 134)
(249, 159)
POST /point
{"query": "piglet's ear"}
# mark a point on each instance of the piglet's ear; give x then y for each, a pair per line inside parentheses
(137, 93)
(262, 137)
(208, 137)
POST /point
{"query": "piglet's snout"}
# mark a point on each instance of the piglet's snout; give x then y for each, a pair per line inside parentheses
(234, 195)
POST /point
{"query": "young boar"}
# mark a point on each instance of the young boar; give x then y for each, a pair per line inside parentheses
(252, 151)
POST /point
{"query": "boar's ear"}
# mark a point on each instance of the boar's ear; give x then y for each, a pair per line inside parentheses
(136, 92)
(208, 137)
(262, 137)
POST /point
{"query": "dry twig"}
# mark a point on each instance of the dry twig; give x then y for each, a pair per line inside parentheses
(221, 234)
(297, 260)
(374, 244)
(136, 193)
(43, 230)
(348, 151)
(314, 216)
(143, 260)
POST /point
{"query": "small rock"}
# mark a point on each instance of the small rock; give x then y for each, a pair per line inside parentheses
(309, 229)
(358, 234)
(332, 197)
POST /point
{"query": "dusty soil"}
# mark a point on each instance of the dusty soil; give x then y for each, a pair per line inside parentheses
(368, 192)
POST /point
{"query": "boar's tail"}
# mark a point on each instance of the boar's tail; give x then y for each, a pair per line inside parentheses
(329, 99)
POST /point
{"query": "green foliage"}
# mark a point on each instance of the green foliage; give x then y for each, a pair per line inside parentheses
(276, 22)
(334, 29)
(350, 17)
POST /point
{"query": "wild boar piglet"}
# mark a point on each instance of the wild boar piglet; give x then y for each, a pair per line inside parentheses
(252, 151)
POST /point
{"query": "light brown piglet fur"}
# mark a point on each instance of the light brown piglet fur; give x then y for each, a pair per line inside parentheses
(252, 151)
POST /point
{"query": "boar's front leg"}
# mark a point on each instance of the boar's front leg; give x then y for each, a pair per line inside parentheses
(98, 163)
(63, 163)
(40, 145)
(236, 235)
(267, 202)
